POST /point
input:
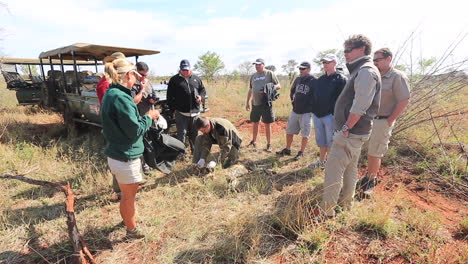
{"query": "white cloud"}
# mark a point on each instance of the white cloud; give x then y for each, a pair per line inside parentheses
(292, 34)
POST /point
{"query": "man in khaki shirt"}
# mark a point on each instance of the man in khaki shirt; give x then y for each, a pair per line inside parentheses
(394, 98)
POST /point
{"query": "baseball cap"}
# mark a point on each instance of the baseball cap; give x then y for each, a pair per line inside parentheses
(304, 65)
(184, 65)
(259, 61)
(330, 57)
(114, 56)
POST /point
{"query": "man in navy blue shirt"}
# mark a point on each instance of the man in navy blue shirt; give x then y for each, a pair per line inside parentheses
(329, 87)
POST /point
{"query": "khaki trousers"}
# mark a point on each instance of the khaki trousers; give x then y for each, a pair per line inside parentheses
(204, 142)
(341, 171)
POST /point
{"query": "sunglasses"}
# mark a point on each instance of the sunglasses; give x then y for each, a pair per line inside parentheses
(378, 59)
(326, 62)
(143, 75)
(348, 50)
(184, 70)
(303, 69)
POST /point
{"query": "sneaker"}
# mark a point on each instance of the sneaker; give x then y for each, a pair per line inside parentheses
(317, 164)
(134, 234)
(299, 155)
(268, 148)
(146, 169)
(366, 184)
(252, 144)
(284, 152)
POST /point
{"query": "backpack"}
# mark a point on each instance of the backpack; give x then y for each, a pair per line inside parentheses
(161, 150)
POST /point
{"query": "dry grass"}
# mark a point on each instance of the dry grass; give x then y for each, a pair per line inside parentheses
(261, 216)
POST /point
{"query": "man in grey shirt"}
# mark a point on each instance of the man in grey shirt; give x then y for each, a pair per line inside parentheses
(355, 109)
(260, 107)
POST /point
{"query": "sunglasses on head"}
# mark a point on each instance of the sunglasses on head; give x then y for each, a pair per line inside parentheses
(348, 50)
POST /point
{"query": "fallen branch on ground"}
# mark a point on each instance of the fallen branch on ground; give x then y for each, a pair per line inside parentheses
(81, 253)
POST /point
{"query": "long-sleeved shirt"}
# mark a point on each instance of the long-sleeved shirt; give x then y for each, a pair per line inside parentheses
(328, 89)
(182, 93)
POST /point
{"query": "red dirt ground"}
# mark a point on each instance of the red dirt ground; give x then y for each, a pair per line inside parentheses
(278, 126)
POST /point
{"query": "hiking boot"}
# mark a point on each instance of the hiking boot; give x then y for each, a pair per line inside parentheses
(299, 155)
(134, 234)
(317, 164)
(284, 152)
(252, 144)
(268, 148)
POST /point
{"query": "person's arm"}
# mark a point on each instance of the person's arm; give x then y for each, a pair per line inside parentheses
(249, 95)
(170, 97)
(364, 89)
(399, 108)
(137, 98)
(402, 94)
(132, 124)
(275, 81)
(293, 89)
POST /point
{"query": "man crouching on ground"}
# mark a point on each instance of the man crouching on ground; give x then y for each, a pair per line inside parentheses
(216, 131)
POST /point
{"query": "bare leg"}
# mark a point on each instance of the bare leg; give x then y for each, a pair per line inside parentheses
(373, 164)
(268, 132)
(255, 132)
(289, 140)
(323, 153)
(304, 143)
(127, 204)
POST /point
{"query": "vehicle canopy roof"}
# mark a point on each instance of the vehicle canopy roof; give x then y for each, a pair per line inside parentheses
(86, 51)
(31, 61)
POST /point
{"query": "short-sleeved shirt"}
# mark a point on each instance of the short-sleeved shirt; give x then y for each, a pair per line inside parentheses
(395, 89)
(257, 82)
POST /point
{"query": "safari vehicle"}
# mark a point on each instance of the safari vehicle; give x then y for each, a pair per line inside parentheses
(73, 91)
(27, 86)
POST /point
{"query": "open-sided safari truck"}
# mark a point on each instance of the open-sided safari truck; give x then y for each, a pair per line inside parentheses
(28, 86)
(73, 91)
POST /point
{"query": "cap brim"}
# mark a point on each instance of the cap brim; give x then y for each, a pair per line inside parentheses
(185, 68)
(258, 62)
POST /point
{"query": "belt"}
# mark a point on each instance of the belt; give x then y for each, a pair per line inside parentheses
(381, 117)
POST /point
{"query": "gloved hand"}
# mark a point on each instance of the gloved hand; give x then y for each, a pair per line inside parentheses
(201, 163)
(211, 165)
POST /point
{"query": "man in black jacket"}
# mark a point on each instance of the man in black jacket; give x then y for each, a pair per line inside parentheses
(300, 119)
(184, 95)
(329, 87)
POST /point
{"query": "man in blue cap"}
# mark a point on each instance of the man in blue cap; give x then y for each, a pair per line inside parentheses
(184, 95)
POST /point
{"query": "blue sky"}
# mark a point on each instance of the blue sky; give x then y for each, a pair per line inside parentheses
(237, 30)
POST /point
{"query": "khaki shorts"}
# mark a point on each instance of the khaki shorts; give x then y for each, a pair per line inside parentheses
(379, 138)
(126, 172)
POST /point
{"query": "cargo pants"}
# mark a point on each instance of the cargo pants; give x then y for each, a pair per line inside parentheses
(341, 172)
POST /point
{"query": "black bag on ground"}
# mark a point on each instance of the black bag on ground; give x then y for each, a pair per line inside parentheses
(161, 150)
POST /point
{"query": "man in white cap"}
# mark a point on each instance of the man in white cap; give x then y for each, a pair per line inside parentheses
(260, 107)
(300, 119)
(329, 87)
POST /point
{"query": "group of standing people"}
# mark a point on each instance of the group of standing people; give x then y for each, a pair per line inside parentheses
(346, 113)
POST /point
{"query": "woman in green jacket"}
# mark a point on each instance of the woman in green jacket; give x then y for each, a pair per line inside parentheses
(123, 129)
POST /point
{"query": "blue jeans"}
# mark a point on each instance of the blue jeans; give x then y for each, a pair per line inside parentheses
(324, 127)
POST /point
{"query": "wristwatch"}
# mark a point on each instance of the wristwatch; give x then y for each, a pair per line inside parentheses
(344, 128)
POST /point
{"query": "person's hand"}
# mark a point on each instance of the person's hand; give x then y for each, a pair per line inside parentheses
(143, 83)
(152, 101)
(153, 114)
(211, 165)
(198, 99)
(346, 133)
(247, 106)
(201, 163)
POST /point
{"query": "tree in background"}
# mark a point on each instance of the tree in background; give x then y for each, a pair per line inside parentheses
(290, 69)
(209, 65)
(271, 68)
(245, 70)
(25, 69)
(321, 54)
